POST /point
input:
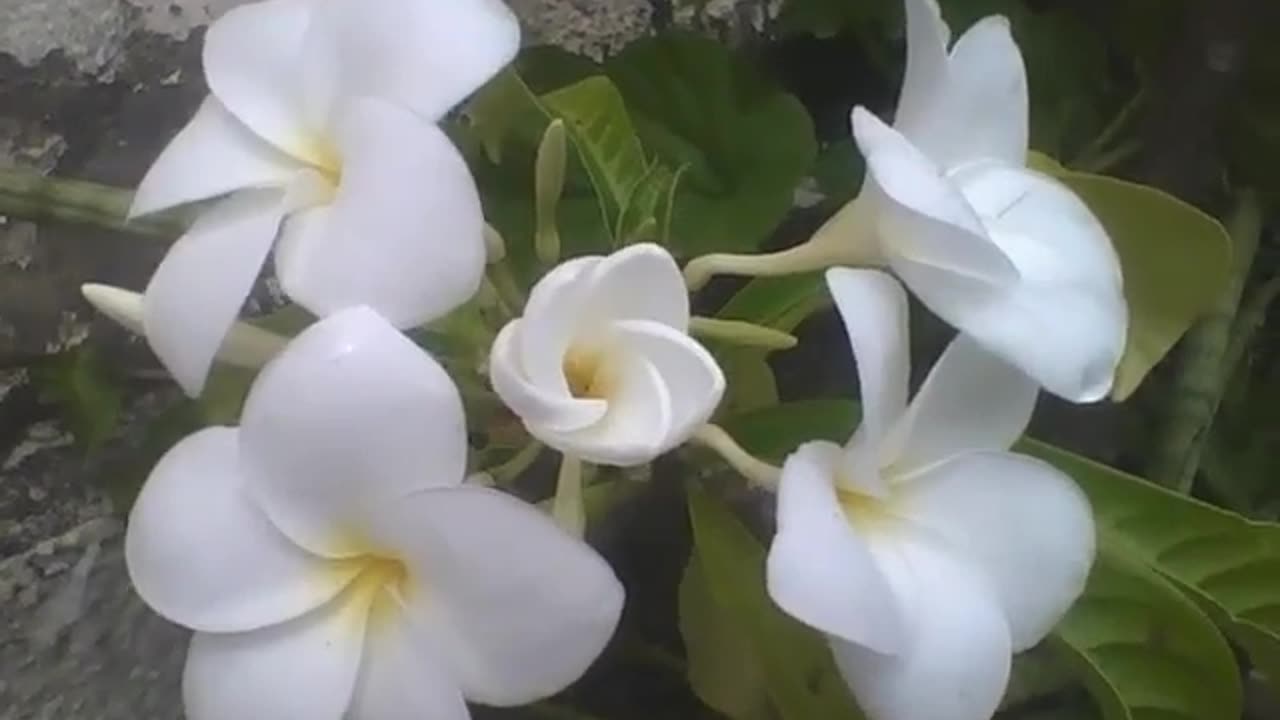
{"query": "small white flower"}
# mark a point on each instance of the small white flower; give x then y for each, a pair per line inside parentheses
(321, 130)
(333, 563)
(601, 366)
(924, 550)
(1004, 253)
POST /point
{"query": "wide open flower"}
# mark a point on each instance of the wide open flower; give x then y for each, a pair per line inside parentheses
(601, 366)
(334, 565)
(322, 117)
(924, 550)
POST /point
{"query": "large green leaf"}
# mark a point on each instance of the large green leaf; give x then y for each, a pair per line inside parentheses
(1146, 651)
(745, 142)
(799, 673)
(778, 302)
(774, 432)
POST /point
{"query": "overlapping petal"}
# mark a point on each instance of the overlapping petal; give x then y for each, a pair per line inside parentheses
(552, 317)
(350, 414)
(926, 67)
(404, 233)
(637, 423)
(819, 570)
(542, 406)
(197, 291)
(1017, 520)
(402, 676)
(639, 282)
(516, 607)
(694, 382)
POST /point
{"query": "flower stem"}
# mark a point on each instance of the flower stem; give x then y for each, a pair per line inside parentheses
(568, 507)
(740, 332)
(29, 195)
(504, 282)
(756, 471)
(515, 466)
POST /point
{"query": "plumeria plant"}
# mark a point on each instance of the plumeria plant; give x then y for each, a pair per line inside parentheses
(493, 263)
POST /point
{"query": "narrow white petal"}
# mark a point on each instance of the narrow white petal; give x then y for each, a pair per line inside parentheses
(555, 313)
(640, 282)
(955, 662)
(350, 414)
(693, 379)
(254, 63)
(427, 55)
(197, 291)
(541, 408)
(517, 608)
(1018, 520)
(926, 72)
(201, 554)
(971, 400)
(923, 216)
(213, 155)
(403, 676)
(405, 231)
(819, 570)
(636, 424)
(304, 669)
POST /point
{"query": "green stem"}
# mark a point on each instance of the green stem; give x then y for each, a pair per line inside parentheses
(504, 282)
(1205, 351)
(29, 195)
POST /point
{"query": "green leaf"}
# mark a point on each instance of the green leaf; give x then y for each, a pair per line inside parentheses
(87, 394)
(800, 675)
(778, 302)
(1146, 651)
(745, 141)
(772, 433)
(751, 384)
(1228, 564)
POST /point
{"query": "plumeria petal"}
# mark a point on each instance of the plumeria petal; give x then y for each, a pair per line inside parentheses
(254, 63)
(403, 677)
(635, 428)
(350, 414)
(1019, 521)
(923, 218)
(1070, 282)
(405, 231)
(201, 554)
(536, 405)
(820, 570)
(197, 291)
(640, 282)
(551, 319)
(213, 155)
(693, 379)
(517, 607)
(926, 71)
(967, 382)
(954, 664)
(427, 55)
(305, 669)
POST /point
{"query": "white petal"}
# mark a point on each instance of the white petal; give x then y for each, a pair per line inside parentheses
(640, 282)
(923, 216)
(955, 662)
(427, 55)
(517, 607)
(405, 231)
(554, 314)
(693, 379)
(254, 63)
(636, 424)
(403, 677)
(213, 155)
(874, 310)
(304, 669)
(819, 570)
(1018, 520)
(202, 555)
(197, 291)
(926, 72)
(546, 408)
(1070, 283)
(350, 414)
(971, 400)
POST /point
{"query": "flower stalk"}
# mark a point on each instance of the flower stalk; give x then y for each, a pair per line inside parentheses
(758, 472)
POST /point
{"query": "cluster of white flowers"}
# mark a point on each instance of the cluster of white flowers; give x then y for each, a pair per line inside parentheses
(328, 552)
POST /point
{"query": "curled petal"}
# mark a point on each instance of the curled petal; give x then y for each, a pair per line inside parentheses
(516, 607)
(304, 669)
(1017, 520)
(213, 155)
(552, 317)
(197, 291)
(635, 428)
(693, 379)
(201, 554)
(350, 415)
(540, 407)
(955, 659)
(405, 231)
(819, 570)
(403, 677)
(640, 282)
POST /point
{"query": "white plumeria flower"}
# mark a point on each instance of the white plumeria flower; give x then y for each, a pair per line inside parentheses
(333, 563)
(925, 550)
(601, 366)
(321, 131)
(1004, 253)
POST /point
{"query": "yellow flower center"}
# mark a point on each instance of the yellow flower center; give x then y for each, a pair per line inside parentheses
(381, 581)
(587, 373)
(323, 155)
